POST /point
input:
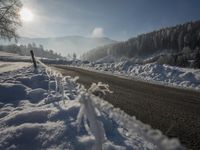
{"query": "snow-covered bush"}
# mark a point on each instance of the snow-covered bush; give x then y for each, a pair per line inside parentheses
(88, 111)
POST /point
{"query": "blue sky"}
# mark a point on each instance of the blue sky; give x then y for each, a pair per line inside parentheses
(116, 19)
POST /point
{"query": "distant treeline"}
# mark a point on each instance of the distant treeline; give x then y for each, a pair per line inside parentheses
(24, 50)
(182, 42)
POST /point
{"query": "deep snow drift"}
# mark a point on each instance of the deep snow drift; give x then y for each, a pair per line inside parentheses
(153, 72)
(43, 110)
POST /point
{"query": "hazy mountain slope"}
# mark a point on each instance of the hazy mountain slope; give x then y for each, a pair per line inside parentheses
(68, 44)
(181, 42)
(23, 50)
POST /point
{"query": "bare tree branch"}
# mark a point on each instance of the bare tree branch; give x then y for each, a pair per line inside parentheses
(9, 18)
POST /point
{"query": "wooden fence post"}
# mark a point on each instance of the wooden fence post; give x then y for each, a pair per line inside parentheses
(33, 59)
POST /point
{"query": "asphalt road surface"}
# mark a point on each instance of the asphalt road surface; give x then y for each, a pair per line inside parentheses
(176, 112)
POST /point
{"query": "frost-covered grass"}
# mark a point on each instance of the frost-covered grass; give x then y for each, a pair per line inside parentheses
(153, 72)
(41, 109)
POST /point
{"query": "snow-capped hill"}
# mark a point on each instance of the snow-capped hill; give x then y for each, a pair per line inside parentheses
(180, 41)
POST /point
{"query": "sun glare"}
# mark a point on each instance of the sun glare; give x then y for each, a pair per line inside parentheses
(26, 15)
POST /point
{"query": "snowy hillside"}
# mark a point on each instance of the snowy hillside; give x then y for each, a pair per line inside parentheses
(181, 42)
(153, 72)
(48, 111)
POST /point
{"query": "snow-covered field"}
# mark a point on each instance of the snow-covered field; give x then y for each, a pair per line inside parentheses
(11, 66)
(152, 72)
(4, 56)
(43, 110)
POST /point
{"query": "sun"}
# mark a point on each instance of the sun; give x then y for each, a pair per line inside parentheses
(26, 15)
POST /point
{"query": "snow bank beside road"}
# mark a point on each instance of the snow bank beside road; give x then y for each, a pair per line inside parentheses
(187, 78)
(163, 74)
(42, 113)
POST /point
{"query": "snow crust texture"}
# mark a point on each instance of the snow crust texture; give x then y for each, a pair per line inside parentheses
(41, 109)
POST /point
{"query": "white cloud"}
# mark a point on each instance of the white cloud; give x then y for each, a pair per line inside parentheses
(97, 32)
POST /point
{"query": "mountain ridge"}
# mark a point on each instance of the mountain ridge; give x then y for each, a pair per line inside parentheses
(65, 44)
(176, 45)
